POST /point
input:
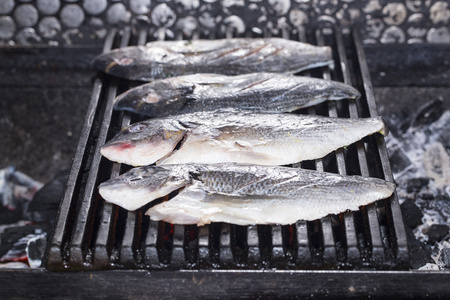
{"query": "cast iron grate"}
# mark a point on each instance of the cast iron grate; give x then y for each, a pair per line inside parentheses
(93, 235)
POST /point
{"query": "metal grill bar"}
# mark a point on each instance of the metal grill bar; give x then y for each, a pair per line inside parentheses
(392, 206)
(58, 248)
(349, 223)
(92, 234)
(337, 241)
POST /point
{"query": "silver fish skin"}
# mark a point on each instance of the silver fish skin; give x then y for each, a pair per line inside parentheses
(162, 59)
(140, 186)
(236, 136)
(260, 92)
(241, 194)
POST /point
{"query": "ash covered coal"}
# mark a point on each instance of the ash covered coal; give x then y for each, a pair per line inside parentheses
(419, 149)
(16, 192)
(28, 209)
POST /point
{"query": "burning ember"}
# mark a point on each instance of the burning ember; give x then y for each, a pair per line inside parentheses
(419, 148)
(27, 211)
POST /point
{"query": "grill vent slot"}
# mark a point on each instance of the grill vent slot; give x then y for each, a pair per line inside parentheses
(91, 234)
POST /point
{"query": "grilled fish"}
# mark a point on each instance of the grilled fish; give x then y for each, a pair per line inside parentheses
(267, 92)
(241, 194)
(162, 59)
(236, 136)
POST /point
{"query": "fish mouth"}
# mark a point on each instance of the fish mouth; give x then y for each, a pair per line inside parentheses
(351, 94)
(342, 90)
(118, 145)
(113, 150)
(355, 94)
(136, 153)
(111, 185)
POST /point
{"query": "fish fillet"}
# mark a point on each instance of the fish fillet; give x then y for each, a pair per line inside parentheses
(236, 136)
(264, 92)
(241, 194)
(162, 59)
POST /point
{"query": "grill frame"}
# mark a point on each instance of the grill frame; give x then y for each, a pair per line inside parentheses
(92, 235)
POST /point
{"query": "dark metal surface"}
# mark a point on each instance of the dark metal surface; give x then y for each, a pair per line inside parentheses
(418, 65)
(93, 235)
(221, 284)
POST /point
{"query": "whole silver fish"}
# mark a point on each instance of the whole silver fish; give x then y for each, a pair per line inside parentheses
(162, 59)
(241, 194)
(236, 136)
(265, 92)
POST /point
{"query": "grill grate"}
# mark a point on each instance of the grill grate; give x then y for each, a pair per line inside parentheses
(93, 235)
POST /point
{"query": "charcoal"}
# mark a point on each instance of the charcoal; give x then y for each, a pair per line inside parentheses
(412, 215)
(398, 159)
(419, 254)
(442, 197)
(416, 184)
(23, 242)
(16, 191)
(428, 113)
(444, 258)
(45, 203)
(426, 196)
(441, 205)
(444, 136)
(398, 123)
(9, 216)
(11, 235)
(35, 250)
(436, 232)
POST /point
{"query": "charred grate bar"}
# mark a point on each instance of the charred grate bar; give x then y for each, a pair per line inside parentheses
(91, 234)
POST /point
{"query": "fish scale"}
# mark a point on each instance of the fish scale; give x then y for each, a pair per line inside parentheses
(228, 183)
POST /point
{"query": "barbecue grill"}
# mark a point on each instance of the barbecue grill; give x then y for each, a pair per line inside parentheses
(97, 247)
(93, 235)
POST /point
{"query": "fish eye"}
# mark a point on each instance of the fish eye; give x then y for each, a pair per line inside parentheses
(136, 128)
(148, 170)
(125, 61)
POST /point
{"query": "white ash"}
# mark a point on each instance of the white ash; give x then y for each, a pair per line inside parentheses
(426, 147)
(16, 187)
(30, 248)
(429, 267)
(438, 254)
(14, 265)
(35, 249)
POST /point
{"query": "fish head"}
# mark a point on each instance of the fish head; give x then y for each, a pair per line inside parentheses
(145, 142)
(139, 100)
(156, 99)
(139, 186)
(126, 62)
